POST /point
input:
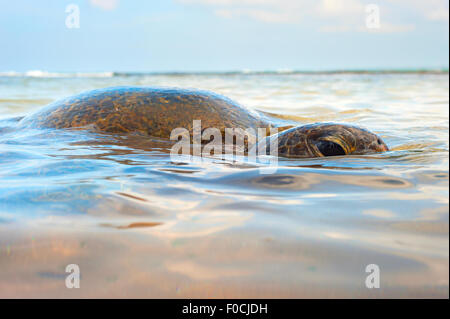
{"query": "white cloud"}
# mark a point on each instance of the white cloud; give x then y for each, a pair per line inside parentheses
(234, 2)
(391, 28)
(384, 28)
(332, 15)
(340, 15)
(284, 11)
(335, 28)
(268, 16)
(105, 4)
(270, 11)
(341, 8)
(437, 15)
(436, 10)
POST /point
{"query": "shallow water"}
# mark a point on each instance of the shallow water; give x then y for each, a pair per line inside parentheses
(140, 225)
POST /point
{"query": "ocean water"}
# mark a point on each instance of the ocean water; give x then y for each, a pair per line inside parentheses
(140, 225)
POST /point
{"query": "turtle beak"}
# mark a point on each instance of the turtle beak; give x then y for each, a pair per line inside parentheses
(382, 148)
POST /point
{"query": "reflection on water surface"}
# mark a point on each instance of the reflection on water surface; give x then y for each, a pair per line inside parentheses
(140, 225)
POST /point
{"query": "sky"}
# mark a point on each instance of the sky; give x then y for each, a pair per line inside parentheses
(222, 35)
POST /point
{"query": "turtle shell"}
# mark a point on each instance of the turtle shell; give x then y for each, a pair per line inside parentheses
(149, 110)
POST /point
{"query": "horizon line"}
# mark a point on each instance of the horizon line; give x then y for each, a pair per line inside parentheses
(40, 73)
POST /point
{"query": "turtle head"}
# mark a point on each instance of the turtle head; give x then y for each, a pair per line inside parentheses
(327, 139)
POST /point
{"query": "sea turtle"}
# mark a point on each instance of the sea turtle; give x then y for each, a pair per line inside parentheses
(157, 111)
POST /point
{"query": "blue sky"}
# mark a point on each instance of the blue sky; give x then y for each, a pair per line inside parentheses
(222, 35)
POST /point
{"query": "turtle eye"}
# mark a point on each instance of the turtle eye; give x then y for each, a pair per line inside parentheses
(328, 148)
